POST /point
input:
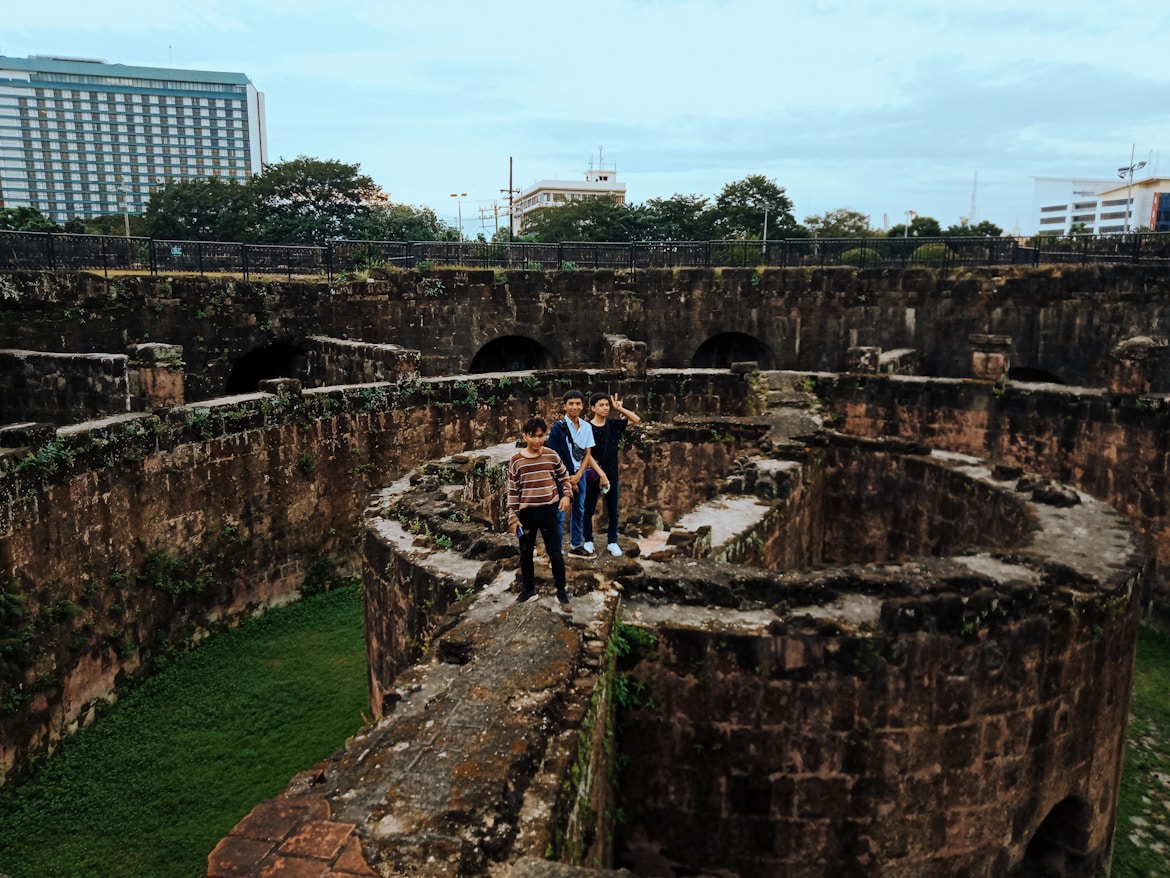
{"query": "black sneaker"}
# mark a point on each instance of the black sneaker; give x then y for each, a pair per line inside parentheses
(525, 596)
(580, 552)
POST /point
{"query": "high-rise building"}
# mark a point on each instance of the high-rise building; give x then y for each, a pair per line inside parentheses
(81, 137)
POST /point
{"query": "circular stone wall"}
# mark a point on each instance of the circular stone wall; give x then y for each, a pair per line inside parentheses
(960, 715)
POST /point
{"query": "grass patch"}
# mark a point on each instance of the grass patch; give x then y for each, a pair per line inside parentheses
(1141, 845)
(153, 786)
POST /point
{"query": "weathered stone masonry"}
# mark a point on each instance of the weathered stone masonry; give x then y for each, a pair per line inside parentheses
(192, 470)
(135, 535)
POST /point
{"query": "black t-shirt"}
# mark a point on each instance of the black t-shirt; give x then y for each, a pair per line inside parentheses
(605, 451)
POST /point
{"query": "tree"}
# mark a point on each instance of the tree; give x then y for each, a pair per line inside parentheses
(590, 219)
(981, 229)
(679, 218)
(840, 223)
(115, 224)
(920, 227)
(740, 210)
(310, 201)
(399, 222)
(208, 209)
(25, 219)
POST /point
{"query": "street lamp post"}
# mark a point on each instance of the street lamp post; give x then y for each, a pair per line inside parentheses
(910, 217)
(125, 190)
(1126, 173)
(459, 196)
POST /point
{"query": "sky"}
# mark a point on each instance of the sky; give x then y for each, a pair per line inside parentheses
(945, 109)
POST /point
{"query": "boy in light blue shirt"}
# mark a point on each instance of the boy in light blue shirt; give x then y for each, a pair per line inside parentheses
(572, 438)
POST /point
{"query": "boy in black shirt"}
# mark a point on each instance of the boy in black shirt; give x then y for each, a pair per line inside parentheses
(607, 433)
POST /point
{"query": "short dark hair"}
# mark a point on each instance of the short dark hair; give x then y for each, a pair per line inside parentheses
(598, 397)
(573, 394)
(534, 425)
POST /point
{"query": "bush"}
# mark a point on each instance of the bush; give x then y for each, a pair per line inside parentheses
(929, 254)
(862, 257)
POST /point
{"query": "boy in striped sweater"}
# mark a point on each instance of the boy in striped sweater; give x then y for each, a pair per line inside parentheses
(538, 485)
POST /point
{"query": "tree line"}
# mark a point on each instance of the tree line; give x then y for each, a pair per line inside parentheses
(311, 201)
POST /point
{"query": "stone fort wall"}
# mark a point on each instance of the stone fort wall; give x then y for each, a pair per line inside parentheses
(1075, 325)
(127, 538)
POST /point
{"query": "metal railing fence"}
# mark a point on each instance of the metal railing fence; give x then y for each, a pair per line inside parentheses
(54, 251)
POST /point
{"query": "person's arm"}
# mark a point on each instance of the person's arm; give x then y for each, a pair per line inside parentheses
(623, 411)
(586, 463)
(596, 467)
(513, 500)
(563, 479)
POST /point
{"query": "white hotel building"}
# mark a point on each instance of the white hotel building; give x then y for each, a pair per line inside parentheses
(81, 137)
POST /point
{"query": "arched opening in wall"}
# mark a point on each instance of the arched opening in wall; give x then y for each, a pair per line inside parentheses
(720, 351)
(1061, 843)
(277, 360)
(1029, 375)
(511, 353)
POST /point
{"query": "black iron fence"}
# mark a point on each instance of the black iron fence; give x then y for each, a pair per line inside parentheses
(344, 259)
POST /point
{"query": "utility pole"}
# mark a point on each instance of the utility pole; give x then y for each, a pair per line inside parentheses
(510, 192)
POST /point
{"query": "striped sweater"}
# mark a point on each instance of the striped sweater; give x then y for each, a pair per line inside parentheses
(533, 481)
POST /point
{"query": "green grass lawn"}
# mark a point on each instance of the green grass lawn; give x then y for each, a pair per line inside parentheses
(1141, 846)
(151, 788)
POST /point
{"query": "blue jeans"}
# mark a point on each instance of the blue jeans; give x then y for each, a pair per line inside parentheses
(611, 509)
(577, 516)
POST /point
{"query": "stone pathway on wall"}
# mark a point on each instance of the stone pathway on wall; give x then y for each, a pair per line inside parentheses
(463, 768)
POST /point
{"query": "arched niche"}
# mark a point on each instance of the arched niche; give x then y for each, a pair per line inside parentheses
(720, 351)
(511, 353)
(277, 360)
(1061, 843)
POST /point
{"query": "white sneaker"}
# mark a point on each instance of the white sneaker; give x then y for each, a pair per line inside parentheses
(614, 549)
(588, 547)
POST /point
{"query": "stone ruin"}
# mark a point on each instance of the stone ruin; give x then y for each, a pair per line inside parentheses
(864, 656)
(875, 615)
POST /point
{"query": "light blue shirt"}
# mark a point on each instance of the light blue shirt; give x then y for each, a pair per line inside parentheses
(582, 435)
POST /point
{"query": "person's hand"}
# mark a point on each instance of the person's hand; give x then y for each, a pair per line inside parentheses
(512, 527)
(573, 483)
(617, 402)
(565, 503)
(604, 481)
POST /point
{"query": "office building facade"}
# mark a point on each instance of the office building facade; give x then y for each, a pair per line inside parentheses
(83, 138)
(598, 183)
(1100, 207)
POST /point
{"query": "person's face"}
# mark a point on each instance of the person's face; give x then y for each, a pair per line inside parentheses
(601, 408)
(574, 406)
(535, 441)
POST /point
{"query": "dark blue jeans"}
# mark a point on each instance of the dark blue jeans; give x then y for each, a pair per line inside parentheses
(544, 520)
(592, 492)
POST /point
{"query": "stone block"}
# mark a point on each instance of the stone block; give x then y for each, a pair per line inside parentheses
(862, 359)
(281, 386)
(28, 435)
(990, 356)
(626, 355)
